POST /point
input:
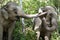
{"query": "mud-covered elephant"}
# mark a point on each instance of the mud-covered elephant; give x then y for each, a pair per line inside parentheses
(46, 25)
(9, 13)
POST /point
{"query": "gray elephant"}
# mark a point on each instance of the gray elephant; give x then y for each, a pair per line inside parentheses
(9, 13)
(44, 26)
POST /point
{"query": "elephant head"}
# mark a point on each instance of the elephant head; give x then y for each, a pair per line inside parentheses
(50, 21)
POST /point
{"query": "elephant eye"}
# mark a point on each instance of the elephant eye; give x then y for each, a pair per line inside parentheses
(15, 10)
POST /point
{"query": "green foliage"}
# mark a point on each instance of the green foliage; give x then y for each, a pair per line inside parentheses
(19, 35)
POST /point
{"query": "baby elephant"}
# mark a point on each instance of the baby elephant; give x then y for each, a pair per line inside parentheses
(46, 25)
(9, 13)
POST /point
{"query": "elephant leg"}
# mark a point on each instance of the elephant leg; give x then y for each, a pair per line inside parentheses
(5, 35)
(38, 35)
(37, 26)
(37, 32)
(10, 31)
(47, 36)
(1, 32)
(37, 29)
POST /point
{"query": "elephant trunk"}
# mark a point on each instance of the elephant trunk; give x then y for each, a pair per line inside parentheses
(21, 13)
(52, 26)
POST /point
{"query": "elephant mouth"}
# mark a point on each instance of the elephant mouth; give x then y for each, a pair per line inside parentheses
(18, 17)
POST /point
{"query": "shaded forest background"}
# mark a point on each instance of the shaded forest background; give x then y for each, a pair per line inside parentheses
(31, 7)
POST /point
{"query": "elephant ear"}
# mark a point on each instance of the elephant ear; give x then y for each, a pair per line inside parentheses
(4, 14)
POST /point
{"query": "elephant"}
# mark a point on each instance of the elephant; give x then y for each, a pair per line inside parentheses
(44, 26)
(9, 13)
